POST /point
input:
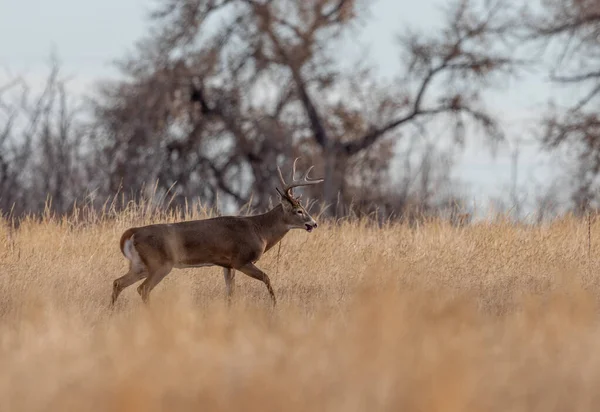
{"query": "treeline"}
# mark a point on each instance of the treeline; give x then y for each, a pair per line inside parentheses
(220, 92)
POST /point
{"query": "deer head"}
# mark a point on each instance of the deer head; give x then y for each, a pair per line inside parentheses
(296, 216)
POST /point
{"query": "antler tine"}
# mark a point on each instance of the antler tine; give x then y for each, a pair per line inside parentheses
(305, 181)
(283, 184)
(294, 169)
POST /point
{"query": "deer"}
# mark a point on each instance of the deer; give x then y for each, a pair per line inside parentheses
(234, 243)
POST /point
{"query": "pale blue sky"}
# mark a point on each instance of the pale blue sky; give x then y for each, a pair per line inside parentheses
(88, 35)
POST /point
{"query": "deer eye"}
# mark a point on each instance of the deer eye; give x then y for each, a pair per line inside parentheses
(300, 212)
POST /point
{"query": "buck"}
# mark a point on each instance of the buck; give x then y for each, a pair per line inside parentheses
(231, 242)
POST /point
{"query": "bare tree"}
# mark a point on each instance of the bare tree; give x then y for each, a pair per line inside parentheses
(570, 32)
(41, 154)
(222, 91)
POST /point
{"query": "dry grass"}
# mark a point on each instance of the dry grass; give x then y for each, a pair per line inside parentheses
(483, 318)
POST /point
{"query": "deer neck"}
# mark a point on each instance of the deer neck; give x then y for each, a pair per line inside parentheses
(272, 226)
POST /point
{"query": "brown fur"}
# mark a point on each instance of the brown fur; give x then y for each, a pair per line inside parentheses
(231, 242)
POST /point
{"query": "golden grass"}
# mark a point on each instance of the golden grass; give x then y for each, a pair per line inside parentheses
(435, 318)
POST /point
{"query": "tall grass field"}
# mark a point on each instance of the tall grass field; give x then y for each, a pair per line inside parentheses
(492, 316)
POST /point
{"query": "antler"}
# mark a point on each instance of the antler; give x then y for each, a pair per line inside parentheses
(304, 181)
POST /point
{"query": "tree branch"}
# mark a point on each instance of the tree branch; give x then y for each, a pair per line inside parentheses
(587, 98)
(220, 177)
(312, 113)
(336, 9)
(355, 146)
(567, 26)
(576, 78)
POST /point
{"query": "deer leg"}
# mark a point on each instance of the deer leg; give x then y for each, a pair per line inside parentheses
(229, 275)
(254, 272)
(152, 280)
(129, 279)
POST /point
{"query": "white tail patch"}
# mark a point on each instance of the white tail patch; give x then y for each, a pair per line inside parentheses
(132, 254)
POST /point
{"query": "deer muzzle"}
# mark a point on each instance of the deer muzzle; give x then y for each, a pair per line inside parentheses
(310, 226)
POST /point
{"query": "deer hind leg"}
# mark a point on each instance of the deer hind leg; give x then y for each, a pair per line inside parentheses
(229, 275)
(134, 274)
(254, 272)
(152, 280)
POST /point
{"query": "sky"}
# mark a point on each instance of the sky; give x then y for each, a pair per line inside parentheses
(88, 36)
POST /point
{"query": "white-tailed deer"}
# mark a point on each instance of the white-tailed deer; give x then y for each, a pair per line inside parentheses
(231, 242)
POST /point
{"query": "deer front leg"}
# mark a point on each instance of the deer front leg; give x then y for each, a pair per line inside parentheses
(229, 275)
(254, 272)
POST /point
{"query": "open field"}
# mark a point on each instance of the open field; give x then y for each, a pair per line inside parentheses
(491, 317)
